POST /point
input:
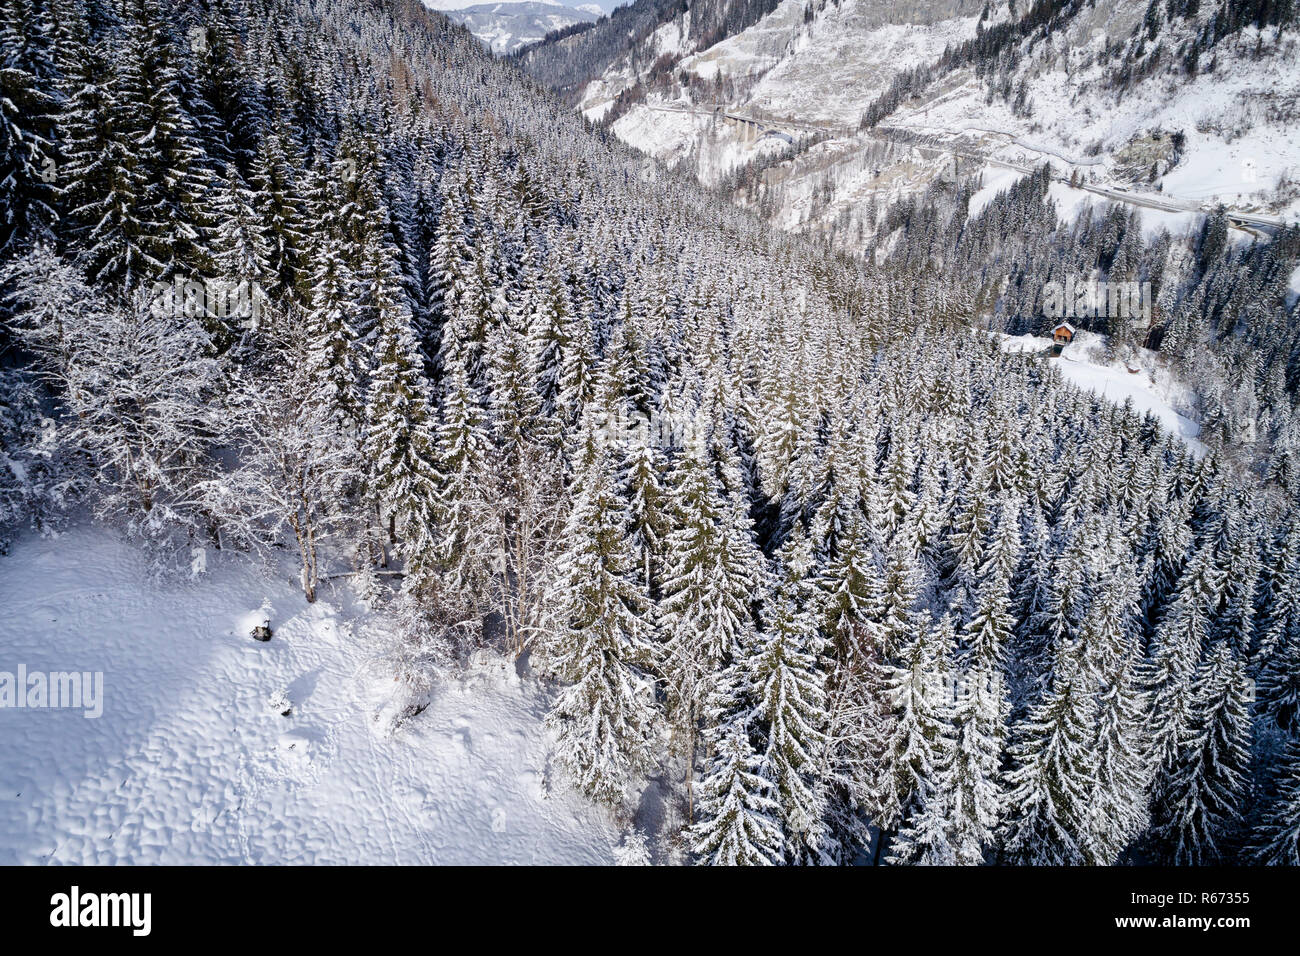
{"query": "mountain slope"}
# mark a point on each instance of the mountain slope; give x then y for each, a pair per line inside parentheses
(746, 508)
(827, 102)
(505, 27)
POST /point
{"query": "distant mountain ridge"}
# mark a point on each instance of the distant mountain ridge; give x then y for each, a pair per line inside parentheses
(507, 27)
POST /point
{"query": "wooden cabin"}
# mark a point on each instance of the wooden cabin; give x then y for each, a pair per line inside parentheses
(1062, 335)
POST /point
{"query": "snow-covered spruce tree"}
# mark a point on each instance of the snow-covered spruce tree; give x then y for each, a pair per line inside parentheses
(783, 433)
(738, 814)
(168, 218)
(925, 524)
(1278, 651)
(836, 488)
(642, 476)
(240, 272)
(463, 505)
(851, 594)
(28, 162)
(1239, 563)
(365, 229)
(896, 494)
(451, 254)
(926, 835)
(526, 514)
(226, 101)
(548, 336)
(971, 776)
(605, 719)
(1118, 808)
(100, 184)
(1170, 548)
(400, 445)
(515, 405)
(333, 340)
(1200, 810)
(1276, 842)
(850, 589)
(713, 574)
(1053, 769)
(776, 683)
(577, 384)
(898, 617)
(478, 309)
(240, 249)
(991, 627)
(1068, 595)
(966, 544)
(630, 350)
(279, 197)
(1279, 681)
(1031, 597)
(1176, 649)
(917, 685)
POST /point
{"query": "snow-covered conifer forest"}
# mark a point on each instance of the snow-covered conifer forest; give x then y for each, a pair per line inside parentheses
(756, 547)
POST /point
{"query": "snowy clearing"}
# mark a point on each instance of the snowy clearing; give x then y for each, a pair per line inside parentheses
(189, 765)
(1149, 388)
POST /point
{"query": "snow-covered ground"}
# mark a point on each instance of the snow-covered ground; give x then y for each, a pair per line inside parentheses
(1150, 387)
(188, 763)
(827, 69)
(717, 144)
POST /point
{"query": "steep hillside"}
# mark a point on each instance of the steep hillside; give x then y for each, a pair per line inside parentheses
(819, 108)
(567, 63)
(793, 560)
(505, 27)
(645, 36)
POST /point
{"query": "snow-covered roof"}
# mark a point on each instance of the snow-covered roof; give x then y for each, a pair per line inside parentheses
(1065, 325)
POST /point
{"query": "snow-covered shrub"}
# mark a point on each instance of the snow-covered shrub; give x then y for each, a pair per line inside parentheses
(36, 483)
(420, 653)
(368, 587)
(293, 463)
(633, 851)
(138, 394)
(279, 703)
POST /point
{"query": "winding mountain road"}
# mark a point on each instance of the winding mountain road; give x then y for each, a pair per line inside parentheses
(1245, 221)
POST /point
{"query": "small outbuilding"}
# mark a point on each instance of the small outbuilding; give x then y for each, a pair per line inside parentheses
(1062, 335)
